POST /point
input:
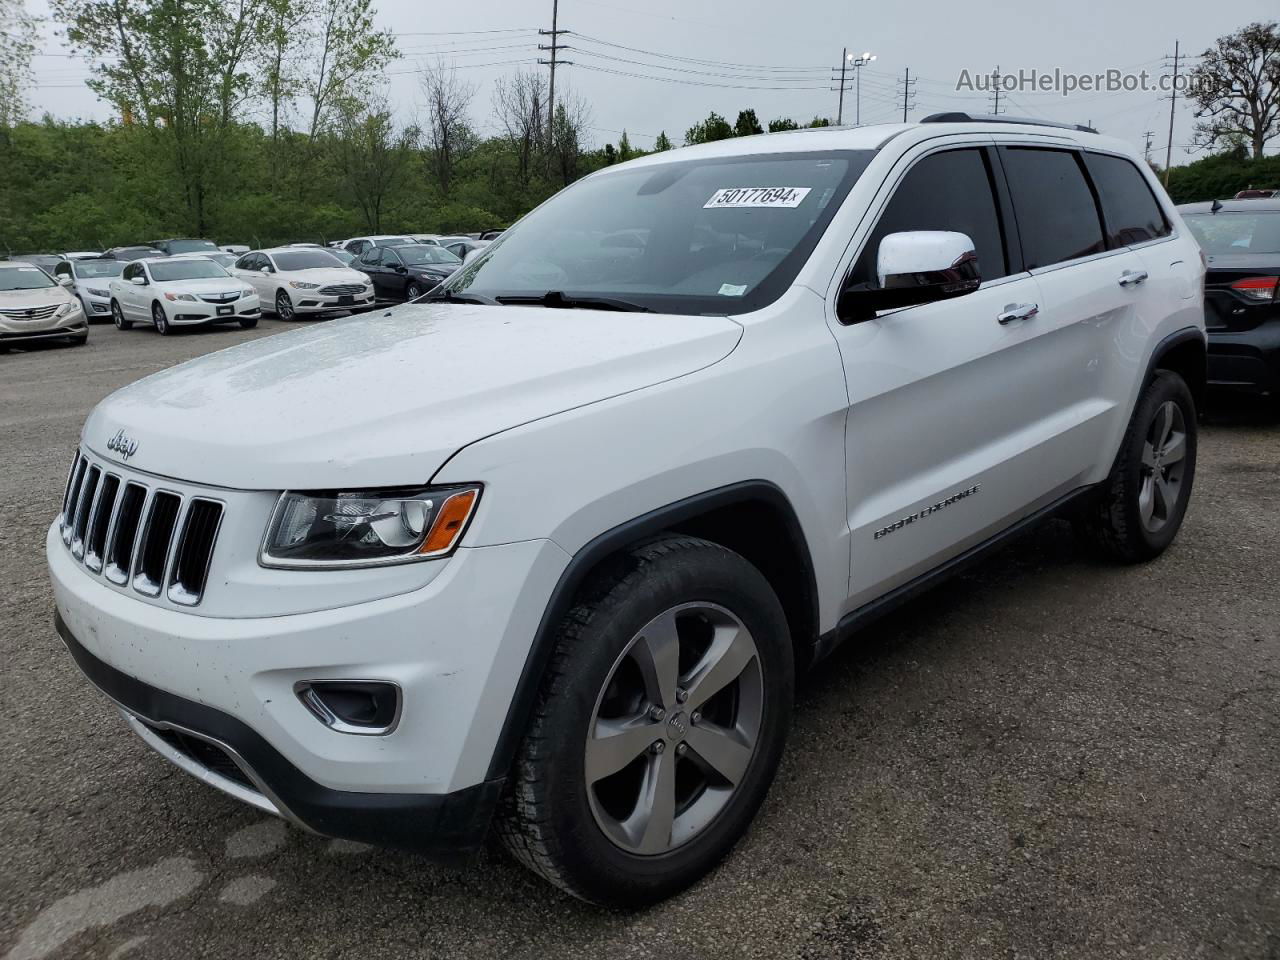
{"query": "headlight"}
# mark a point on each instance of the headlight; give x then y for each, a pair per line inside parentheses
(366, 528)
(179, 296)
(98, 293)
(304, 286)
(69, 307)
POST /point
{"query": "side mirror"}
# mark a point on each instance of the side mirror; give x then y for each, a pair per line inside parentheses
(66, 281)
(401, 268)
(914, 268)
(138, 281)
(268, 269)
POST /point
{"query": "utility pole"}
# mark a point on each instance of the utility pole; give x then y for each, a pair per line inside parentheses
(1173, 102)
(844, 59)
(1146, 151)
(995, 89)
(907, 84)
(554, 47)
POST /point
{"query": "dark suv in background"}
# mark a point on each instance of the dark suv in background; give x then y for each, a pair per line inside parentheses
(1241, 244)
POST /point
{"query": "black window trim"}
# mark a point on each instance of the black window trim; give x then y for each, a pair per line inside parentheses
(1160, 203)
(1078, 152)
(1008, 224)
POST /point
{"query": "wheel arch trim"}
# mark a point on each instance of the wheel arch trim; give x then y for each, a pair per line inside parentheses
(520, 708)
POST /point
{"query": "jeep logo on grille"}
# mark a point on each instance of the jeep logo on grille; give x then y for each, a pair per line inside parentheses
(123, 445)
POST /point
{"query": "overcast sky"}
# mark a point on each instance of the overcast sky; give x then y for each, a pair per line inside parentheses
(710, 52)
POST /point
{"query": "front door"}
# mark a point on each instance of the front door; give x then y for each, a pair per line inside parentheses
(951, 434)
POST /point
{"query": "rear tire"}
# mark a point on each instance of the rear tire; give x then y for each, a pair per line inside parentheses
(117, 317)
(1142, 503)
(641, 651)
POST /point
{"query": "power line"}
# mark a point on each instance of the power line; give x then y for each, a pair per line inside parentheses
(692, 83)
(699, 61)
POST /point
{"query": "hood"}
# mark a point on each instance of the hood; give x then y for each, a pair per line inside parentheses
(13, 299)
(205, 285)
(325, 275)
(384, 399)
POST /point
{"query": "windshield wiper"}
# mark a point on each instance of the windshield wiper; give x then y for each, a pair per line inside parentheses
(561, 300)
(450, 296)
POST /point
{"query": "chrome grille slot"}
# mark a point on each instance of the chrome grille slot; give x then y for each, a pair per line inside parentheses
(43, 312)
(73, 497)
(153, 545)
(124, 534)
(83, 507)
(195, 551)
(100, 522)
(342, 289)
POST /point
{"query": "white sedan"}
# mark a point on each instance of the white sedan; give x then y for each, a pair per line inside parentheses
(178, 292)
(296, 280)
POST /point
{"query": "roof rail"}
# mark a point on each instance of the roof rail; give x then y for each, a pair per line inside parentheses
(959, 117)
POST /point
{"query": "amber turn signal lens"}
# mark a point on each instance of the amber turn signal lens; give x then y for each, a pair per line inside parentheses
(449, 522)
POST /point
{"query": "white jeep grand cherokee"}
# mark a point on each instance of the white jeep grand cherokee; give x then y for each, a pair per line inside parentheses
(547, 549)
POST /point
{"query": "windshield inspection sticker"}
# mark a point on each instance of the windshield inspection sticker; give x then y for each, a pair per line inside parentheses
(739, 197)
(732, 289)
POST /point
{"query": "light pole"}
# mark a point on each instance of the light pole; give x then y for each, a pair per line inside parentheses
(858, 64)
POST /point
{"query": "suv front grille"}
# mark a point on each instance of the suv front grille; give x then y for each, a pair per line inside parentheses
(152, 540)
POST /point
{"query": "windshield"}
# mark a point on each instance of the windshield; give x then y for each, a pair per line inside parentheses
(24, 278)
(88, 269)
(305, 260)
(191, 246)
(163, 270)
(723, 235)
(424, 253)
(1226, 233)
(346, 256)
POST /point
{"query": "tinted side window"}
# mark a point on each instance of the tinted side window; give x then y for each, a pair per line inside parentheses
(370, 256)
(1056, 212)
(245, 263)
(944, 191)
(130, 272)
(1128, 205)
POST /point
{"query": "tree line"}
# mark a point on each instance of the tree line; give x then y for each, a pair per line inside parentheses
(263, 121)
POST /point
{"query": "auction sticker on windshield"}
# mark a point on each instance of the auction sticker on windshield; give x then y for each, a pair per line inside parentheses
(738, 197)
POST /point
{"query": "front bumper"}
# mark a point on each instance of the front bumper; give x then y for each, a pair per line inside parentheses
(1246, 360)
(73, 324)
(187, 312)
(97, 308)
(447, 827)
(311, 301)
(454, 646)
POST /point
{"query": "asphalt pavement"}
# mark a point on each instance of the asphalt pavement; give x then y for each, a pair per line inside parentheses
(1048, 757)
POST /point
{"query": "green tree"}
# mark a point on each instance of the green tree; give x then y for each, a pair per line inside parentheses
(1236, 88)
(747, 124)
(347, 55)
(818, 122)
(283, 32)
(715, 127)
(373, 157)
(662, 143)
(625, 150)
(17, 47)
(782, 123)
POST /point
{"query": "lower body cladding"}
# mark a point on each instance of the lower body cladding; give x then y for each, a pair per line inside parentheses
(225, 698)
(1246, 360)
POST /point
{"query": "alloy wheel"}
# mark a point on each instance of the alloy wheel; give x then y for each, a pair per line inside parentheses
(284, 306)
(414, 291)
(160, 320)
(674, 729)
(1163, 466)
(117, 316)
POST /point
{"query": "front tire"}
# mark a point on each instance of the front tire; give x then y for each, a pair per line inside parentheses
(1142, 503)
(413, 291)
(248, 323)
(284, 306)
(659, 726)
(117, 317)
(160, 320)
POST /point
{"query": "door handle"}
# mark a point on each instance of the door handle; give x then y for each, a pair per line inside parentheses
(1018, 311)
(1131, 278)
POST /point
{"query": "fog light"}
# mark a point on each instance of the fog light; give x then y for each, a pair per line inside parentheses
(369, 708)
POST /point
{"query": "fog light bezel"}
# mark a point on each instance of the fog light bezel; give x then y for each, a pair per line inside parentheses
(309, 693)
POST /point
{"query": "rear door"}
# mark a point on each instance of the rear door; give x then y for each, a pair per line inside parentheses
(950, 434)
(1099, 304)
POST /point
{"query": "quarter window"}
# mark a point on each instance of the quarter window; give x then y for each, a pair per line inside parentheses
(944, 191)
(1057, 215)
(1128, 205)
